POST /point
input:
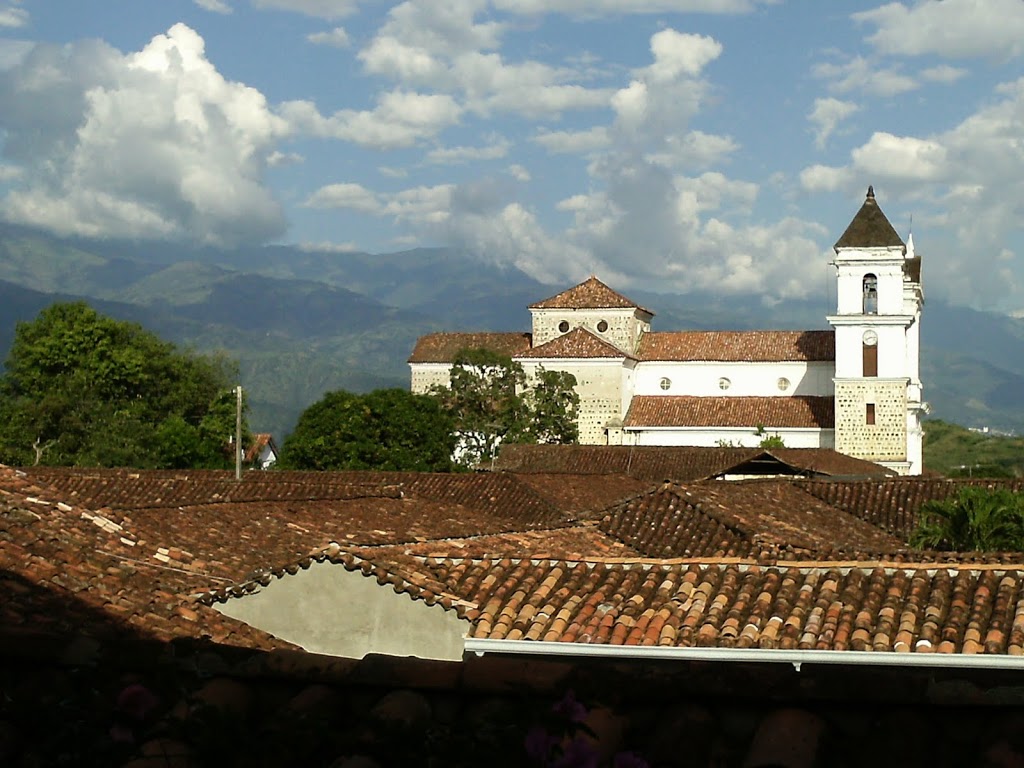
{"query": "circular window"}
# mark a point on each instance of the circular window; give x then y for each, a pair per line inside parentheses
(870, 338)
(783, 384)
(602, 326)
(666, 383)
(563, 326)
(724, 383)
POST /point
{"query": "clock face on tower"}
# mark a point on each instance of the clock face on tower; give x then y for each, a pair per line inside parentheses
(870, 338)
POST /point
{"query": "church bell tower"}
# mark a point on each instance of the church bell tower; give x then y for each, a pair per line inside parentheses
(878, 393)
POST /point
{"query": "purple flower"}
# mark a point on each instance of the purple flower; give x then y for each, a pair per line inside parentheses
(579, 753)
(629, 760)
(572, 710)
(136, 701)
(539, 743)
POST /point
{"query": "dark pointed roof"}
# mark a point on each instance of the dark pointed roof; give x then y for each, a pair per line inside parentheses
(590, 294)
(869, 228)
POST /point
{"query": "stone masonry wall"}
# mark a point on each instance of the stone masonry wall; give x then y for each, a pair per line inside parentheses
(886, 439)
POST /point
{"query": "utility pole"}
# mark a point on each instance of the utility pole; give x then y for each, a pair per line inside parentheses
(238, 432)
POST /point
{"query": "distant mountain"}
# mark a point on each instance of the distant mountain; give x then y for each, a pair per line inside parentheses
(301, 323)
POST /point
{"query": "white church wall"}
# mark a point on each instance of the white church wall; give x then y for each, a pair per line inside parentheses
(704, 379)
(599, 383)
(427, 375)
(745, 437)
(885, 265)
(622, 327)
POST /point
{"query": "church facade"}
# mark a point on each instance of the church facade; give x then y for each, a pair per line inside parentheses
(855, 388)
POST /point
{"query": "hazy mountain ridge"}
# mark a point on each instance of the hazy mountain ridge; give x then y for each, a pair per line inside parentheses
(304, 322)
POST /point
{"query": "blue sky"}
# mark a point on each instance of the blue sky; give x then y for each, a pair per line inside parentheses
(672, 145)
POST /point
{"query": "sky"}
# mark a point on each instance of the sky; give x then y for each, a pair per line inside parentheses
(670, 145)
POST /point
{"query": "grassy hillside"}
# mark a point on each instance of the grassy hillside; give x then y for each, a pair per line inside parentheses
(959, 452)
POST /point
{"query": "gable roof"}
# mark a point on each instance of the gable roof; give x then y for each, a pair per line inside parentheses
(578, 343)
(260, 440)
(681, 463)
(738, 346)
(444, 347)
(869, 228)
(590, 294)
(768, 412)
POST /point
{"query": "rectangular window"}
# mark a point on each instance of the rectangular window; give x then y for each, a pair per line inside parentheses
(869, 415)
(870, 360)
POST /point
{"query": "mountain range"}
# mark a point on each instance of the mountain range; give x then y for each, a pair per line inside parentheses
(301, 323)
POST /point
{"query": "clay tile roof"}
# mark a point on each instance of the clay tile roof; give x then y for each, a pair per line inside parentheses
(893, 505)
(743, 519)
(869, 228)
(590, 294)
(768, 412)
(577, 343)
(738, 346)
(443, 347)
(589, 463)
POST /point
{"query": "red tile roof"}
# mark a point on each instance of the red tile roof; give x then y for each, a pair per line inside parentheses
(738, 346)
(893, 505)
(577, 343)
(768, 412)
(444, 347)
(679, 463)
(590, 294)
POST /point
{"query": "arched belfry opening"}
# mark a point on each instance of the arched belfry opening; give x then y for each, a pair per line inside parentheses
(870, 292)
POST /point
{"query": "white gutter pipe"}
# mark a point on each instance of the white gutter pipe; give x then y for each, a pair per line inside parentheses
(747, 655)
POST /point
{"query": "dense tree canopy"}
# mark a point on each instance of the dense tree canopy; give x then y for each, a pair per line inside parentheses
(389, 429)
(975, 520)
(491, 401)
(84, 389)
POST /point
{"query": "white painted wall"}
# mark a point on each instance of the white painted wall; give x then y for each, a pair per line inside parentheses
(746, 379)
(745, 437)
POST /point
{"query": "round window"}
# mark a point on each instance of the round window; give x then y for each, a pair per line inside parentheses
(724, 383)
(602, 326)
(783, 384)
(563, 326)
(666, 383)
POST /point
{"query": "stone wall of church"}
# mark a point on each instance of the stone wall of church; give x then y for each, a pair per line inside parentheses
(600, 387)
(886, 438)
(621, 326)
(425, 376)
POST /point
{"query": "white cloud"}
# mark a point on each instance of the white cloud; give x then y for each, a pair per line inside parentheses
(321, 9)
(693, 150)
(325, 247)
(860, 74)
(151, 144)
(336, 38)
(951, 28)
(400, 119)
(592, 8)
(497, 149)
(9, 172)
(351, 196)
(278, 159)
(443, 47)
(519, 173)
(676, 54)
(214, 6)
(943, 74)
(826, 116)
(12, 16)
(573, 142)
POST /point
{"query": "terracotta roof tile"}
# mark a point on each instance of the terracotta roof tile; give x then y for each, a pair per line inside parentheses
(679, 463)
(577, 343)
(893, 505)
(869, 228)
(583, 496)
(590, 294)
(444, 347)
(768, 412)
(738, 346)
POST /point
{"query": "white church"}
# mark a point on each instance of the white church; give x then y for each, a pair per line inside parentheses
(855, 388)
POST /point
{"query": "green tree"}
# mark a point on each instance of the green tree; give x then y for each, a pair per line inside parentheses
(84, 389)
(975, 520)
(389, 429)
(491, 401)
